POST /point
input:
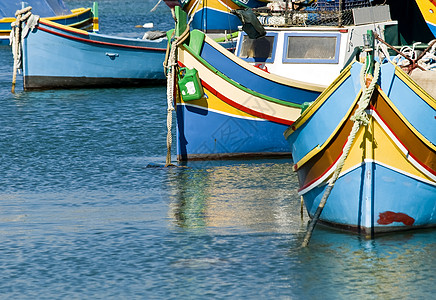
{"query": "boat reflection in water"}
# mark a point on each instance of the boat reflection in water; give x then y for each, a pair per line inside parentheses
(235, 197)
(370, 267)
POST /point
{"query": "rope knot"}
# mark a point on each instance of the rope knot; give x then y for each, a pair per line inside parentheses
(361, 118)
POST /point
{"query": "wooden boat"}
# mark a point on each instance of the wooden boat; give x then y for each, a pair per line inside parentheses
(53, 10)
(375, 161)
(57, 56)
(428, 10)
(242, 110)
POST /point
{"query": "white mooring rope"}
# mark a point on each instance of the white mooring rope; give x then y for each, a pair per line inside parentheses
(24, 22)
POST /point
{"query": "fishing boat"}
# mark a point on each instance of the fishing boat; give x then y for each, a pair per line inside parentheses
(365, 150)
(53, 10)
(241, 110)
(58, 56)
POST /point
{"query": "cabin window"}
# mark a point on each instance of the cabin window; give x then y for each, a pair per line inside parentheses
(258, 50)
(312, 48)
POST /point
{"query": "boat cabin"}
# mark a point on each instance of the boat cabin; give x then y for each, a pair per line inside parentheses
(314, 53)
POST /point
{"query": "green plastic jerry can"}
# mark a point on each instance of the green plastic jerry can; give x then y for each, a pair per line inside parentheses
(189, 84)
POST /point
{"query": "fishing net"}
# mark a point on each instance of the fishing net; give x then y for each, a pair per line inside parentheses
(310, 12)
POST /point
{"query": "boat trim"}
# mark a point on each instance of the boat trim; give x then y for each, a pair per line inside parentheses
(245, 108)
(88, 40)
(408, 155)
(234, 83)
(320, 100)
(75, 13)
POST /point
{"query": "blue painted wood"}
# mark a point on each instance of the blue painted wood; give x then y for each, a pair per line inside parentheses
(349, 198)
(418, 113)
(225, 135)
(364, 195)
(254, 82)
(58, 53)
(207, 19)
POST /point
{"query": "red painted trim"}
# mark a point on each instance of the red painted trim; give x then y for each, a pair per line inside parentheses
(423, 165)
(325, 172)
(241, 107)
(408, 151)
(64, 28)
(98, 42)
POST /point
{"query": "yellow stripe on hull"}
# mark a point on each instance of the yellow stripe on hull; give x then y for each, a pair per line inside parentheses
(222, 5)
(240, 97)
(75, 13)
(213, 103)
(376, 143)
(63, 27)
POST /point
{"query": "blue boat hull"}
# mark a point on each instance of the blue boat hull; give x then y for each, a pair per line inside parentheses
(209, 19)
(387, 180)
(58, 58)
(226, 136)
(373, 206)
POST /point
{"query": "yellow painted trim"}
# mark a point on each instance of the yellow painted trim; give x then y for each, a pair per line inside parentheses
(319, 101)
(212, 102)
(64, 27)
(77, 24)
(373, 143)
(75, 12)
(7, 20)
(79, 9)
(387, 152)
(319, 148)
(410, 126)
(225, 6)
(428, 10)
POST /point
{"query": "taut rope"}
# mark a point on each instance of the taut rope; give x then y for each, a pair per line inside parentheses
(359, 118)
(170, 65)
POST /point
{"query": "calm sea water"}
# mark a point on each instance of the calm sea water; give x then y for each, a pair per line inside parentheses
(82, 217)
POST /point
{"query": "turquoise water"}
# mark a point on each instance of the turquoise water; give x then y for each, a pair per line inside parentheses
(83, 217)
